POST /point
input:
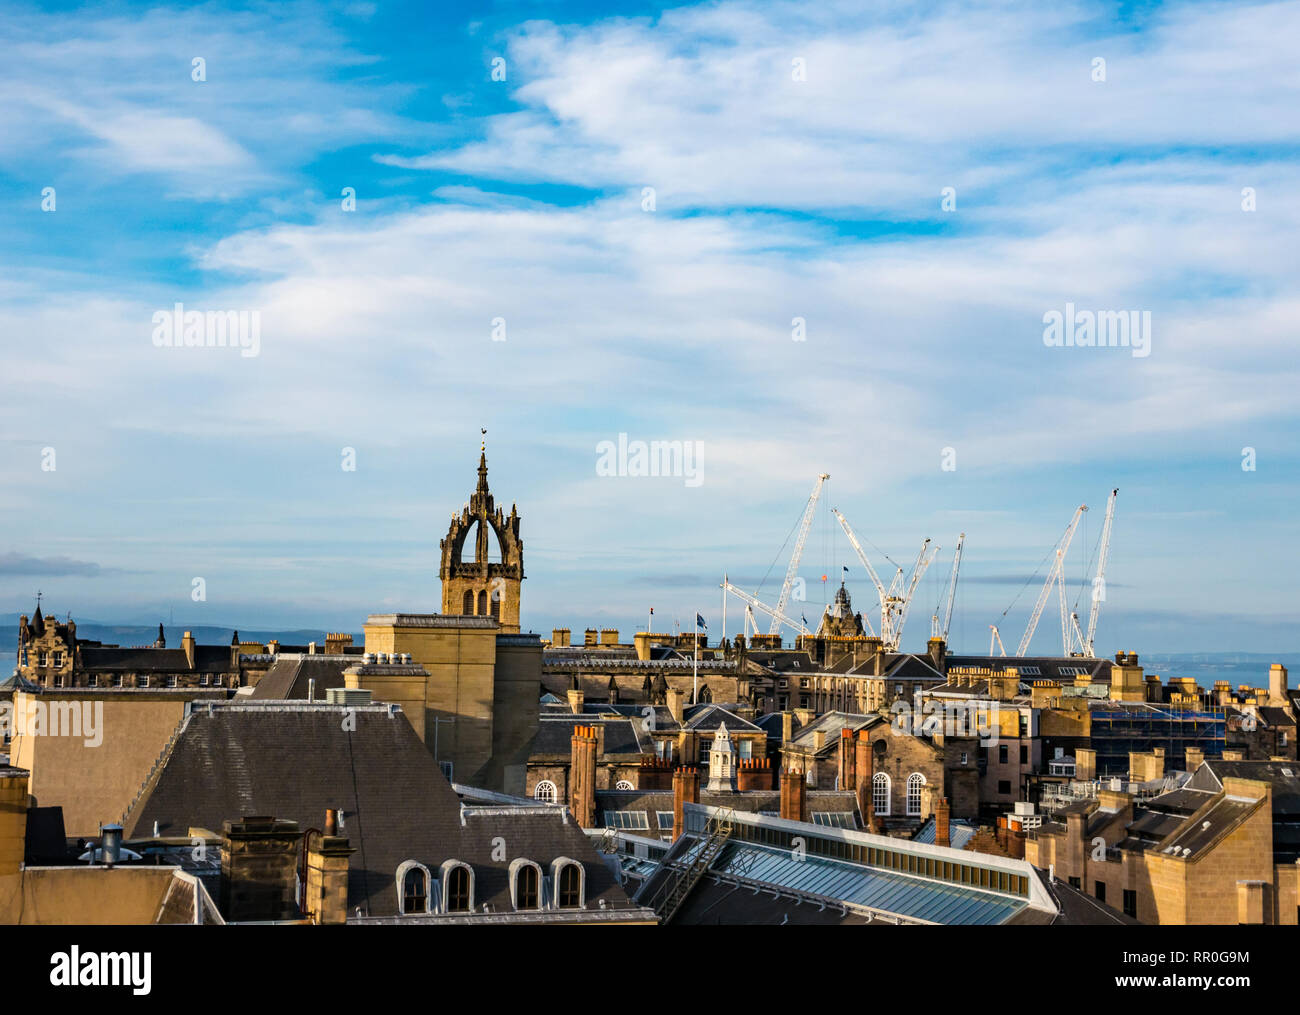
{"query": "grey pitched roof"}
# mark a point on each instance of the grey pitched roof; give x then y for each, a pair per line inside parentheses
(207, 659)
(554, 735)
(294, 761)
(290, 677)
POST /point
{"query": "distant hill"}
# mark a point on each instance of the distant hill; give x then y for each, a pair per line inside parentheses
(137, 634)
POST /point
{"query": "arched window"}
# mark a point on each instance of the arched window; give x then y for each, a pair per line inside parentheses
(413, 887)
(496, 608)
(527, 885)
(469, 604)
(914, 783)
(624, 784)
(459, 897)
(880, 793)
(415, 891)
(545, 791)
(482, 604)
(570, 891)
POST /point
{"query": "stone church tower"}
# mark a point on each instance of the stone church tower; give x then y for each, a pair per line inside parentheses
(479, 586)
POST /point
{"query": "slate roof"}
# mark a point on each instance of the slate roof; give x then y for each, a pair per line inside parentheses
(555, 733)
(294, 761)
(289, 676)
(207, 659)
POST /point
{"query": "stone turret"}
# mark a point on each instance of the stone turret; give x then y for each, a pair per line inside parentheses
(481, 586)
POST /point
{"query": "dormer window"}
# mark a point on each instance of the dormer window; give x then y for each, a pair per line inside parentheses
(457, 887)
(415, 891)
(570, 884)
(413, 887)
(526, 884)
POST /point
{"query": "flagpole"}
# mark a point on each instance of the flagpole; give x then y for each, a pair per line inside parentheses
(695, 667)
(724, 606)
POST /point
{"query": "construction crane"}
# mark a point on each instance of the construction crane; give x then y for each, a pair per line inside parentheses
(1099, 582)
(936, 630)
(753, 603)
(793, 569)
(893, 601)
(922, 565)
(994, 636)
(1055, 575)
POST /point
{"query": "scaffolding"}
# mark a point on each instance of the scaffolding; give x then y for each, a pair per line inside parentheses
(1117, 730)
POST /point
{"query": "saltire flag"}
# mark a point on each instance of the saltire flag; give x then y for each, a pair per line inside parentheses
(699, 622)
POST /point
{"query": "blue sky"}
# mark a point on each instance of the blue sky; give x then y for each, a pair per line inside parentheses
(777, 195)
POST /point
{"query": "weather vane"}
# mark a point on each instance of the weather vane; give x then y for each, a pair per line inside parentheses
(483, 443)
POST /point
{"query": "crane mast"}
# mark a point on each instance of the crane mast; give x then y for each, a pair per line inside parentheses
(793, 569)
(1099, 582)
(922, 565)
(935, 629)
(893, 602)
(1054, 575)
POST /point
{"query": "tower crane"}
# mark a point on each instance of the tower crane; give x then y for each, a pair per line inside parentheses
(893, 601)
(935, 629)
(1053, 576)
(922, 565)
(793, 569)
(753, 603)
(1099, 582)
(994, 636)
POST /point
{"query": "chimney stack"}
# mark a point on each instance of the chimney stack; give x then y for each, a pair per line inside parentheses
(847, 759)
(674, 699)
(686, 790)
(187, 643)
(577, 699)
(582, 775)
(864, 770)
(325, 889)
(942, 830)
(259, 867)
(1277, 685)
(794, 800)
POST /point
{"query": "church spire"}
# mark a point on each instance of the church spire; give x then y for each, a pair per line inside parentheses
(482, 463)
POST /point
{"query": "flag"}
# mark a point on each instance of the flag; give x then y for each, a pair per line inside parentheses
(652, 611)
(804, 619)
(699, 622)
(846, 569)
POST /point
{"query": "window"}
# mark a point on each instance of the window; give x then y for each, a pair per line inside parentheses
(634, 821)
(965, 758)
(527, 882)
(467, 607)
(623, 784)
(1002, 754)
(415, 891)
(203, 680)
(496, 608)
(834, 819)
(545, 792)
(446, 767)
(665, 819)
(880, 793)
(1004, 786)
(1130, 903)
(171, 680)
(458, 895)
(1099, 889)
(914, 783)
(482, 603)
(570, 896)
(40, 659)
(1024, 754)
(117, 680)
(58, 659)
(1074, 883)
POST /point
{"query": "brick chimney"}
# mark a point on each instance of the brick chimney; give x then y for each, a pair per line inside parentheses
(942, 830)
(1277, 686)
(847, 759)
(686, 790)
(259, 868)
(577, 699)
(794, 799)
(582, 775)
(325, 896)
(864, 769)
(187, 643)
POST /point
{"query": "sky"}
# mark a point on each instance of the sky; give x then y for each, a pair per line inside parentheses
(799, 238)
